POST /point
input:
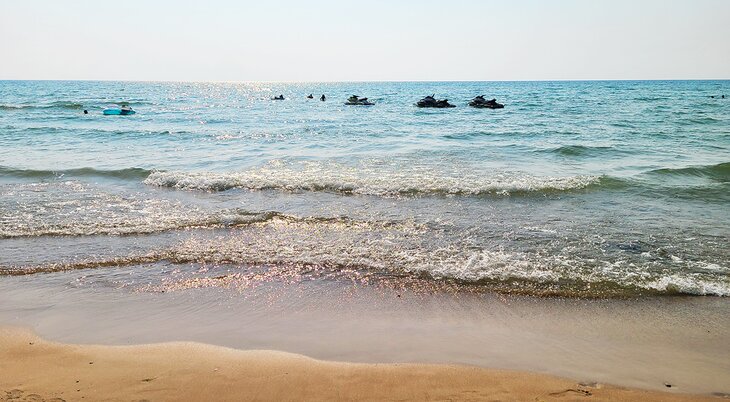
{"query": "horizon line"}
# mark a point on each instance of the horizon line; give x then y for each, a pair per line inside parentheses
(362, 81)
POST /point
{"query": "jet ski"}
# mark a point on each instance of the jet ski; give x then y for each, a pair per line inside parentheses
(430, 101)
(480, 102)
(125, 110)
(358, 101)
(280, 97)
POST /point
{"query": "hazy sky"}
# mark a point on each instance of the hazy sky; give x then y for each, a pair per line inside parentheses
(344, 40)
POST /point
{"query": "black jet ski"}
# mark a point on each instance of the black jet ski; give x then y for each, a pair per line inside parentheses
(358, 101)
(430, 101)
(480, 102)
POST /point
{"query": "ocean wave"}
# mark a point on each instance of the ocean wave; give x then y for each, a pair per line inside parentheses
(78, 265)
(689, 285)
(582, 150)
(142, 224)
(73, 105)
(699, 120)
(132, 102)
(69, 208)
(712, 193)
(560, 275)
(53, 105)
(126, 174)
(540, 283)
(64, 105)
(298, 248)
(494, 270)
(648, 98)
(322, 177)
(719, 172)
(98, 131)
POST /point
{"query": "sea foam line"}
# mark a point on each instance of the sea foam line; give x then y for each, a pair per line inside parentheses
(341, 179)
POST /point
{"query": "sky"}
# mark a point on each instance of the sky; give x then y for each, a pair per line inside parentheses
(372, 40)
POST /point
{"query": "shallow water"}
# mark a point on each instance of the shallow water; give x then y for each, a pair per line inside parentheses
(645, 343)
(594, 189)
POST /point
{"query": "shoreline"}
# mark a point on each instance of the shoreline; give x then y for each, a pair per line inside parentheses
(636, 344)
(37, 369)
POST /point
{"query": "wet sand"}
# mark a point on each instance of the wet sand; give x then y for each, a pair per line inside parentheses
(35, 369)
(641, 343)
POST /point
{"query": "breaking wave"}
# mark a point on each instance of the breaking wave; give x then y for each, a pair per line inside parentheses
(304, 248)
(354, 180)
(53, 105)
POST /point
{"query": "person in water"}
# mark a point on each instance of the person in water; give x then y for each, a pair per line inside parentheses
(86, 111)
(323, 98)
(310, 96)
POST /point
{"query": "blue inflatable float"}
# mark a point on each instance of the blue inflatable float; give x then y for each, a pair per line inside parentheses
(123, 111)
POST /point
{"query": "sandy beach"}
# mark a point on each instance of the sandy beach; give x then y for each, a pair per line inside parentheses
(365, 201)
(379, 342)
(34, 369)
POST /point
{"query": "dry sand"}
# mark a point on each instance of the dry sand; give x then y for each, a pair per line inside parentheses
(32, 369)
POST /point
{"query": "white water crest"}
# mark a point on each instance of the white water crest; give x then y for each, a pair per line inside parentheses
(368, 179)
(411, 249)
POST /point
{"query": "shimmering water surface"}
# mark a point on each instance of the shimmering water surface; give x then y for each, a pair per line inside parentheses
(595, 189)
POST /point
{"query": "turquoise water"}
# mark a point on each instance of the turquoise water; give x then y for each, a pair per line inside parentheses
(594, 189)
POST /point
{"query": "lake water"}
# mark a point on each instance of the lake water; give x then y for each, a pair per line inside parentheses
(592, 189)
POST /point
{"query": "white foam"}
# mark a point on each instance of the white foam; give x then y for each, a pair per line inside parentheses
(367, 179)
(690, 284)
(408, 248)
